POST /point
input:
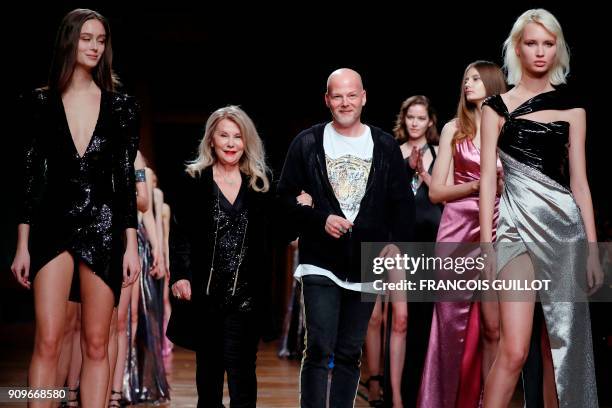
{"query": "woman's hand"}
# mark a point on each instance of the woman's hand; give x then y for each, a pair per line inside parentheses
(21, 267)
(158, 268)
(489, 272)
(475, 186)
(413, 159)
(422, 171)
(182, 289)
(500, 181)
(131, 265)
(305, 199)
(595, 275)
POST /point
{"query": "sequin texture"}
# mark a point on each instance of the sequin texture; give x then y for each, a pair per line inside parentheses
(73, 203)
(230, 252)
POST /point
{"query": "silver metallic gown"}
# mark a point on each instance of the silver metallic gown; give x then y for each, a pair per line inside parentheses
(539, 216)
(145, 375)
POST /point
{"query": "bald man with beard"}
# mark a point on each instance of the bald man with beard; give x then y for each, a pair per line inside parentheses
(360, 192)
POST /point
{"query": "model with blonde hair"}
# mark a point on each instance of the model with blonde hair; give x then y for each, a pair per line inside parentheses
(545, 214)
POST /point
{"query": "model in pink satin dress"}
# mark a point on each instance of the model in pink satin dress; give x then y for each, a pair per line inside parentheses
(452, 373)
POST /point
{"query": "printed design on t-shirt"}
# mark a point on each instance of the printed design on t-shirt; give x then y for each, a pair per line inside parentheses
(348, 176)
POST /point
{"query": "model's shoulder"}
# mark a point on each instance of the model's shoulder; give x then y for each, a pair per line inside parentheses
(449, 127)
(35, 97)
(122, 101)
(125, 107)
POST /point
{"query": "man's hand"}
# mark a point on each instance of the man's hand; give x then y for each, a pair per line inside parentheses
(337, 226)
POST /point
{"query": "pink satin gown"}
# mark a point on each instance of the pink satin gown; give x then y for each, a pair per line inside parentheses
(452, 373)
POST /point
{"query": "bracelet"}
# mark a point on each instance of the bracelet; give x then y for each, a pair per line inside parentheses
(140, 175)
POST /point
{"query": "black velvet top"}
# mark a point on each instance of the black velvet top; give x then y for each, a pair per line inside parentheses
(79, 204)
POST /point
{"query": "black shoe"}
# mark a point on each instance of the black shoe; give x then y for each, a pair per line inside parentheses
(74, 401)
(377, 402)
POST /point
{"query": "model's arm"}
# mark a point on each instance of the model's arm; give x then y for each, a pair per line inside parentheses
(166, 214)
(126, 145)
(148, 219)
(158, 204)
(489, 132)
(582, 194)
(577, 165)
(33, 174)
(142, 197)
(439, 189)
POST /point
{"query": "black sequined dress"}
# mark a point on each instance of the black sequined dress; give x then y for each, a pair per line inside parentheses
(79, 204)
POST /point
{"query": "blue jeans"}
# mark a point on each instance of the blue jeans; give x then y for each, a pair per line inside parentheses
(336, 325)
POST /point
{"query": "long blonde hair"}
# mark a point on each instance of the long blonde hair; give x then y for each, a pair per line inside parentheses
(493, 80)
(512, 63)
(253, 160)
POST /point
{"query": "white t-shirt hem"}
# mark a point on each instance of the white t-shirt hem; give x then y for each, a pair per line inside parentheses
(308, 269)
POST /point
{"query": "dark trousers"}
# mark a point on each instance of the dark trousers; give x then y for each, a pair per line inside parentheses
(229, 345)
(336, 325)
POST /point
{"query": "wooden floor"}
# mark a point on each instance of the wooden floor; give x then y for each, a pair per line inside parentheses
(277, 378)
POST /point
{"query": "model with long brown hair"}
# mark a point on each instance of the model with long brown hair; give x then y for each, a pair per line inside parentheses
(452, 375)
(78, 210)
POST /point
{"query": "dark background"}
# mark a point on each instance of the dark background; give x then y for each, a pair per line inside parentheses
(183, 62)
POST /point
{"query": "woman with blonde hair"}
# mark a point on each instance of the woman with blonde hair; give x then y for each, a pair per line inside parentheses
(546, 217)
(220, 257)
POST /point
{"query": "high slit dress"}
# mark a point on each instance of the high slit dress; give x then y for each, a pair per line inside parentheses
(538, 216)
(79, 204)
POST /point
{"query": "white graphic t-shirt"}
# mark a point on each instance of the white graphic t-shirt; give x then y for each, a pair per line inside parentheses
(348, 161)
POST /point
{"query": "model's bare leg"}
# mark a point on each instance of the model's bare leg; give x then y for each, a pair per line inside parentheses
(51, 290)
(118, 368)
(97, 310)
(516, 314)
(66, 352)
(373, 345)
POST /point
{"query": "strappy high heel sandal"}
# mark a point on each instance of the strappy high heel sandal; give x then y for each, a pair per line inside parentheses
(116, 399)
(73, 398)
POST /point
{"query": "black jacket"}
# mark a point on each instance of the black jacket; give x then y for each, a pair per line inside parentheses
(386, 213)
(191, 245)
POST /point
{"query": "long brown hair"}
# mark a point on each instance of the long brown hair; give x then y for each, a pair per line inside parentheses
(401, 131)
(493, 79)
(65, 52)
